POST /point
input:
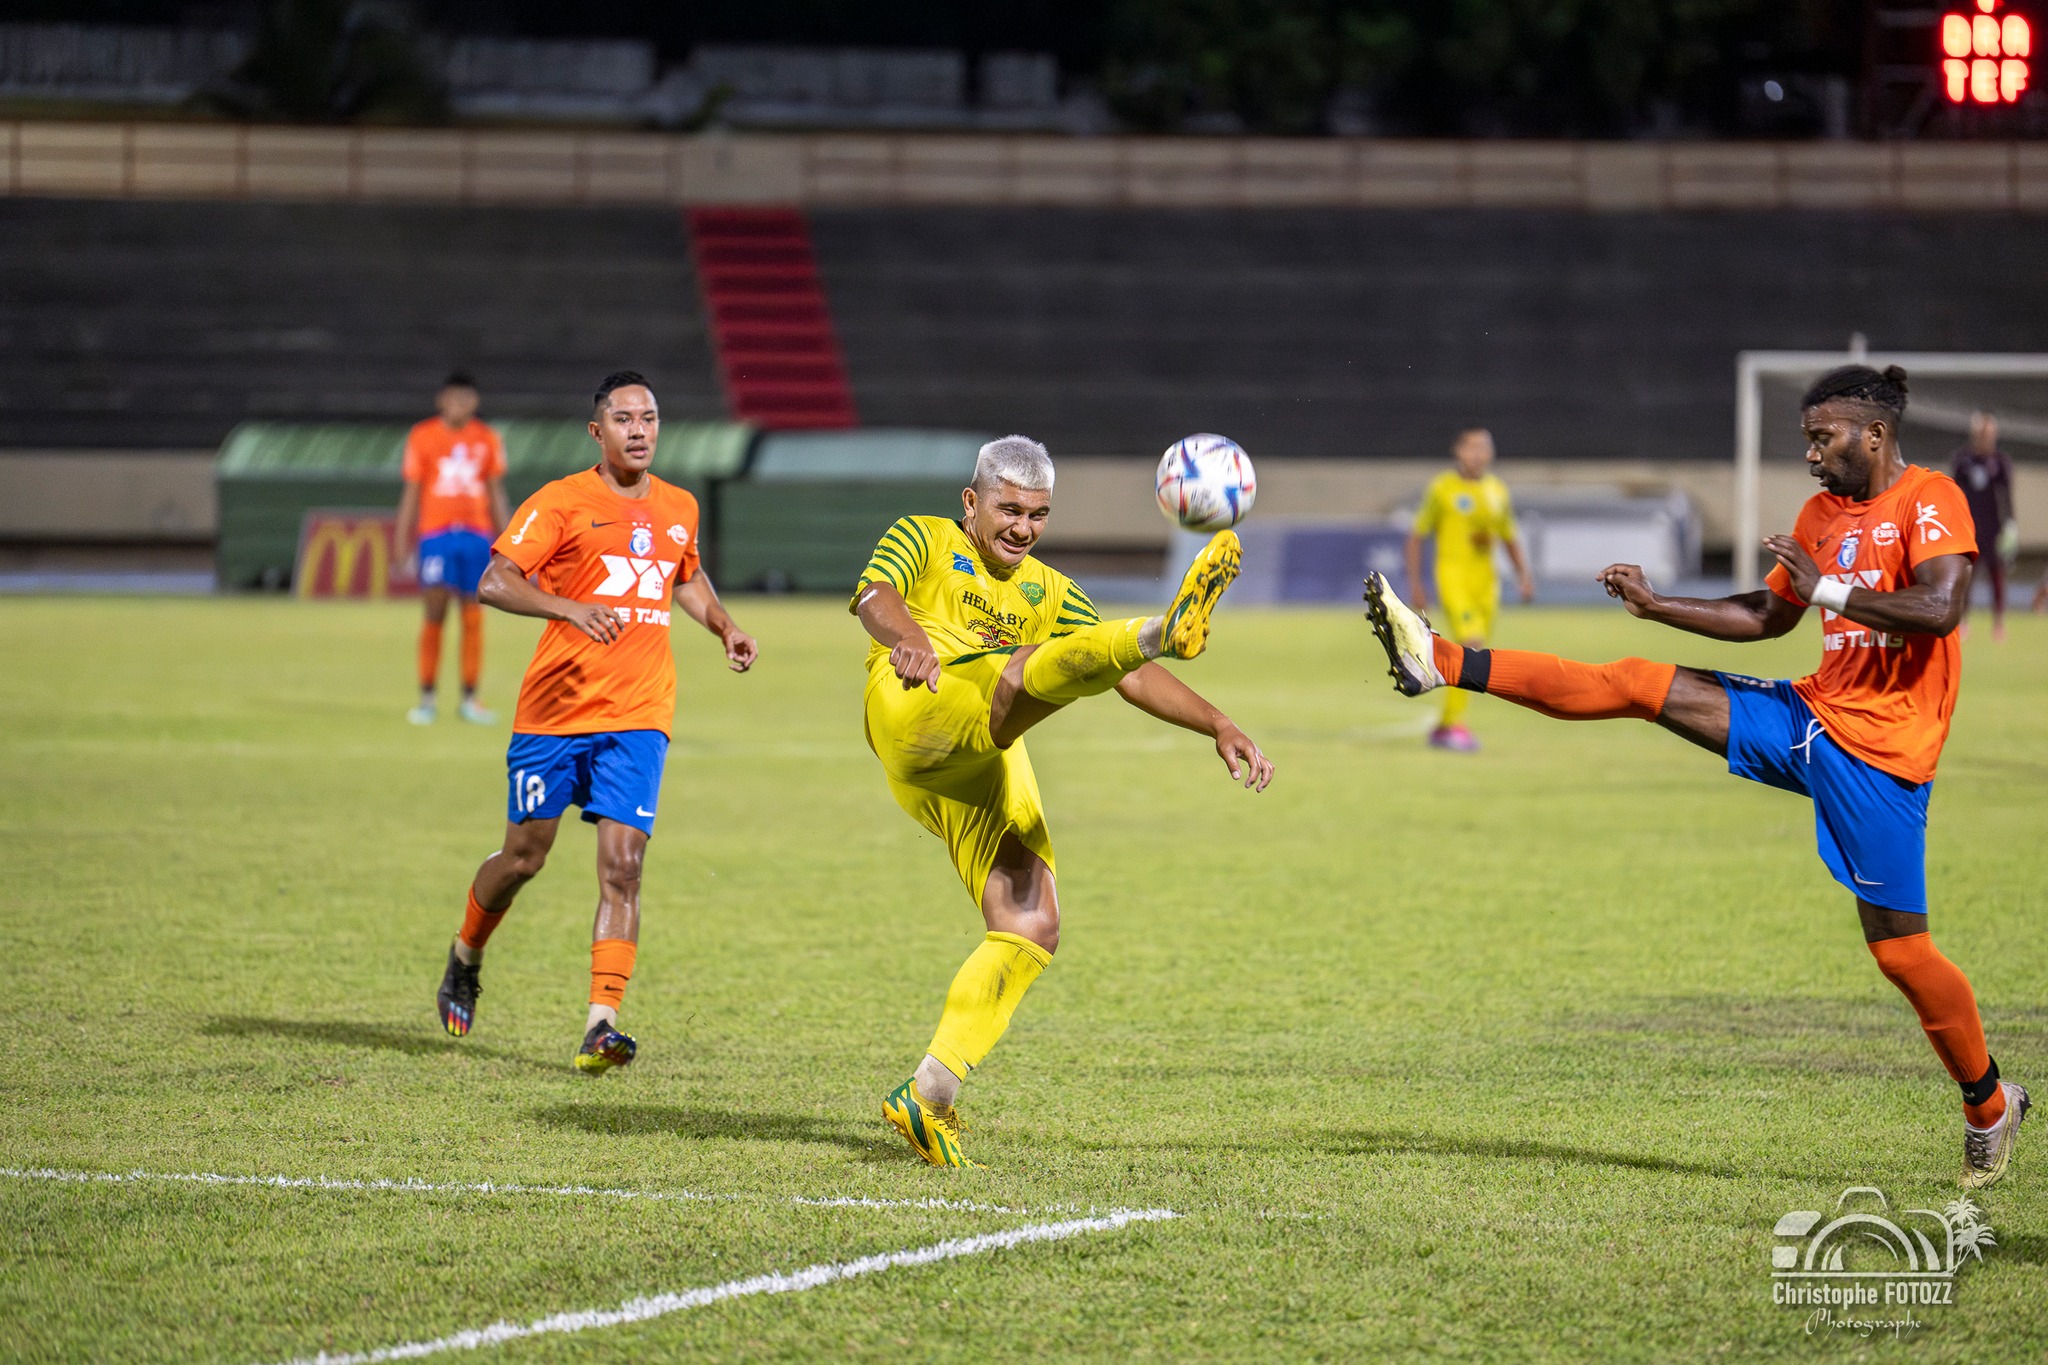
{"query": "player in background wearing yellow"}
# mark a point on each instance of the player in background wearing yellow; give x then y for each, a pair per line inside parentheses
(453, 503)
(975, 642)
(1468, 510)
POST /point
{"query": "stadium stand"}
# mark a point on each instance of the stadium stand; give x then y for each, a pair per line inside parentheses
(1333, 333)
(769, 317)
(164, 324)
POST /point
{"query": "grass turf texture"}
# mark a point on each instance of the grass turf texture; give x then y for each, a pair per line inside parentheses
(1515, 1056)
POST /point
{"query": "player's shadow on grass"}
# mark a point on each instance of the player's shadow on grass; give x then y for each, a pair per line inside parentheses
(1392, 1143)
(413, 1042)
(2023, 1247)
(673, 1120)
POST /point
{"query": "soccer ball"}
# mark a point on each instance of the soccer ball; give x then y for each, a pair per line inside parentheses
(1205, 483)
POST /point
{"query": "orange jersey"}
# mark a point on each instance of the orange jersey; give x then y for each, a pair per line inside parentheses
(579, 539)
(1885, 698)
(454, 467)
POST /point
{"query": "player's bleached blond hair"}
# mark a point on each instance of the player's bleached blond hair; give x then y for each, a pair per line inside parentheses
(1015, 460)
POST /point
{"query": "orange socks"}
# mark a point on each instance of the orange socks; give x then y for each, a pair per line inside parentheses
(472, 644)
(430, 654)
(1450, 660)
(611, 967)
(478, 923)
(1940, 994)
(1560, 688)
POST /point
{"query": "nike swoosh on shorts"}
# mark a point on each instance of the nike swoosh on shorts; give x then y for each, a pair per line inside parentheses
(648, 814)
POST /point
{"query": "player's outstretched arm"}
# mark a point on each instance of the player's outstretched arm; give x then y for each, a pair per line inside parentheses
(1418, 591)
(1525, 582)
(507, 589)
(1760, 615)
(886, 617)
(699, 601)
(1933, 604)
(403, 542)
(1159, 694)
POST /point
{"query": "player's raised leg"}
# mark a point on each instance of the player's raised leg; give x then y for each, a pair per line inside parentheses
(1040, 679)
(491, 892)
(1421, 661)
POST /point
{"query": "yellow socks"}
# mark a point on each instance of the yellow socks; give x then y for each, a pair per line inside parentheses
(1089, 661)
(983, 996)
(1456, 700)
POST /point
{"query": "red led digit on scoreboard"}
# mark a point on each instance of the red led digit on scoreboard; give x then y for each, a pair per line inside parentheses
(1985, 57)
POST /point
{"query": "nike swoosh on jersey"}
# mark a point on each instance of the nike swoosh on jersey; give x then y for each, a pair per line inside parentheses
(594, 525)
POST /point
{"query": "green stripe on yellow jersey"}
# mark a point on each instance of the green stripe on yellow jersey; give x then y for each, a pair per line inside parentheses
(960, 603)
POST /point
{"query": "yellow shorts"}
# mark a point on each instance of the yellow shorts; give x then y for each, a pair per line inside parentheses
(1469, 603)
(947, 773)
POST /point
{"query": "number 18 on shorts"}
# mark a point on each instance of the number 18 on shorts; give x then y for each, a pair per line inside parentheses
(612, 776)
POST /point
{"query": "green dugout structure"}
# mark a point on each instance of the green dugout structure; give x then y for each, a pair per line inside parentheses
(807, 514)
(270, 474)
(784, 511)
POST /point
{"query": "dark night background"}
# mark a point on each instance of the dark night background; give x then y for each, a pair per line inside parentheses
(1597, 68)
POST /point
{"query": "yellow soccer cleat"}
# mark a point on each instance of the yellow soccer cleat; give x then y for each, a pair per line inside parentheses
(932, 1132)
(1187, 620)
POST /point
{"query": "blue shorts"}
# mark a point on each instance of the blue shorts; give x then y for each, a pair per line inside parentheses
(454, 560)
(1871, 826)
(613, 776)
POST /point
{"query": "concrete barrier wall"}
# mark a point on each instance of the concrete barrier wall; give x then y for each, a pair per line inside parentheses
(175, 160)
(1107, 501)
(1102, 501)
(108, 495)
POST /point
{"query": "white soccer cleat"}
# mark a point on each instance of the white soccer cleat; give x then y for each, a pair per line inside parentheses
(1988, 1151)
(1405, 634)
(423, 714)
(474, 713)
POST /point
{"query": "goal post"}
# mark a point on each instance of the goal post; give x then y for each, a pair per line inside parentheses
(1753, 368)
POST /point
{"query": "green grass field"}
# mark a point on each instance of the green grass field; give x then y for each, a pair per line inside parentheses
(1517, 1056)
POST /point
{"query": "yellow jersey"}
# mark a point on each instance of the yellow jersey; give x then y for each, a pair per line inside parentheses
(1467, 517)
(966, 609)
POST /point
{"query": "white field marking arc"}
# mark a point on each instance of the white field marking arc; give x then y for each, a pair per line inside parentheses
(411, 1186)
(794, 1282)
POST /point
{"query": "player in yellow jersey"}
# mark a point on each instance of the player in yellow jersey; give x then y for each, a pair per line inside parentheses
(1468, 510)
(975, 642)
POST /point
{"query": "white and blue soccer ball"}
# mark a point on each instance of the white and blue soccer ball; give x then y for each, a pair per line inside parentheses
(1206, 483)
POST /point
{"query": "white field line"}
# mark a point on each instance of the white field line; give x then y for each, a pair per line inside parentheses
(411, 1186)
(795, 1282)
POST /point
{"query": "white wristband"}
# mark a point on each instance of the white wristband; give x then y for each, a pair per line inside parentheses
(1833, 594)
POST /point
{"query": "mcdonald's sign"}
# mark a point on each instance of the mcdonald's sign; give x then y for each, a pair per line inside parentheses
(348, 553)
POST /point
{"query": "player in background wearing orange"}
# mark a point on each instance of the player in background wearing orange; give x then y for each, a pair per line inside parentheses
(1861, 737)
(599, 556)
(453, 503)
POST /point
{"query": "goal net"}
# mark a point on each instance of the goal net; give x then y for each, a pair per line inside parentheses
(1946, 387)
